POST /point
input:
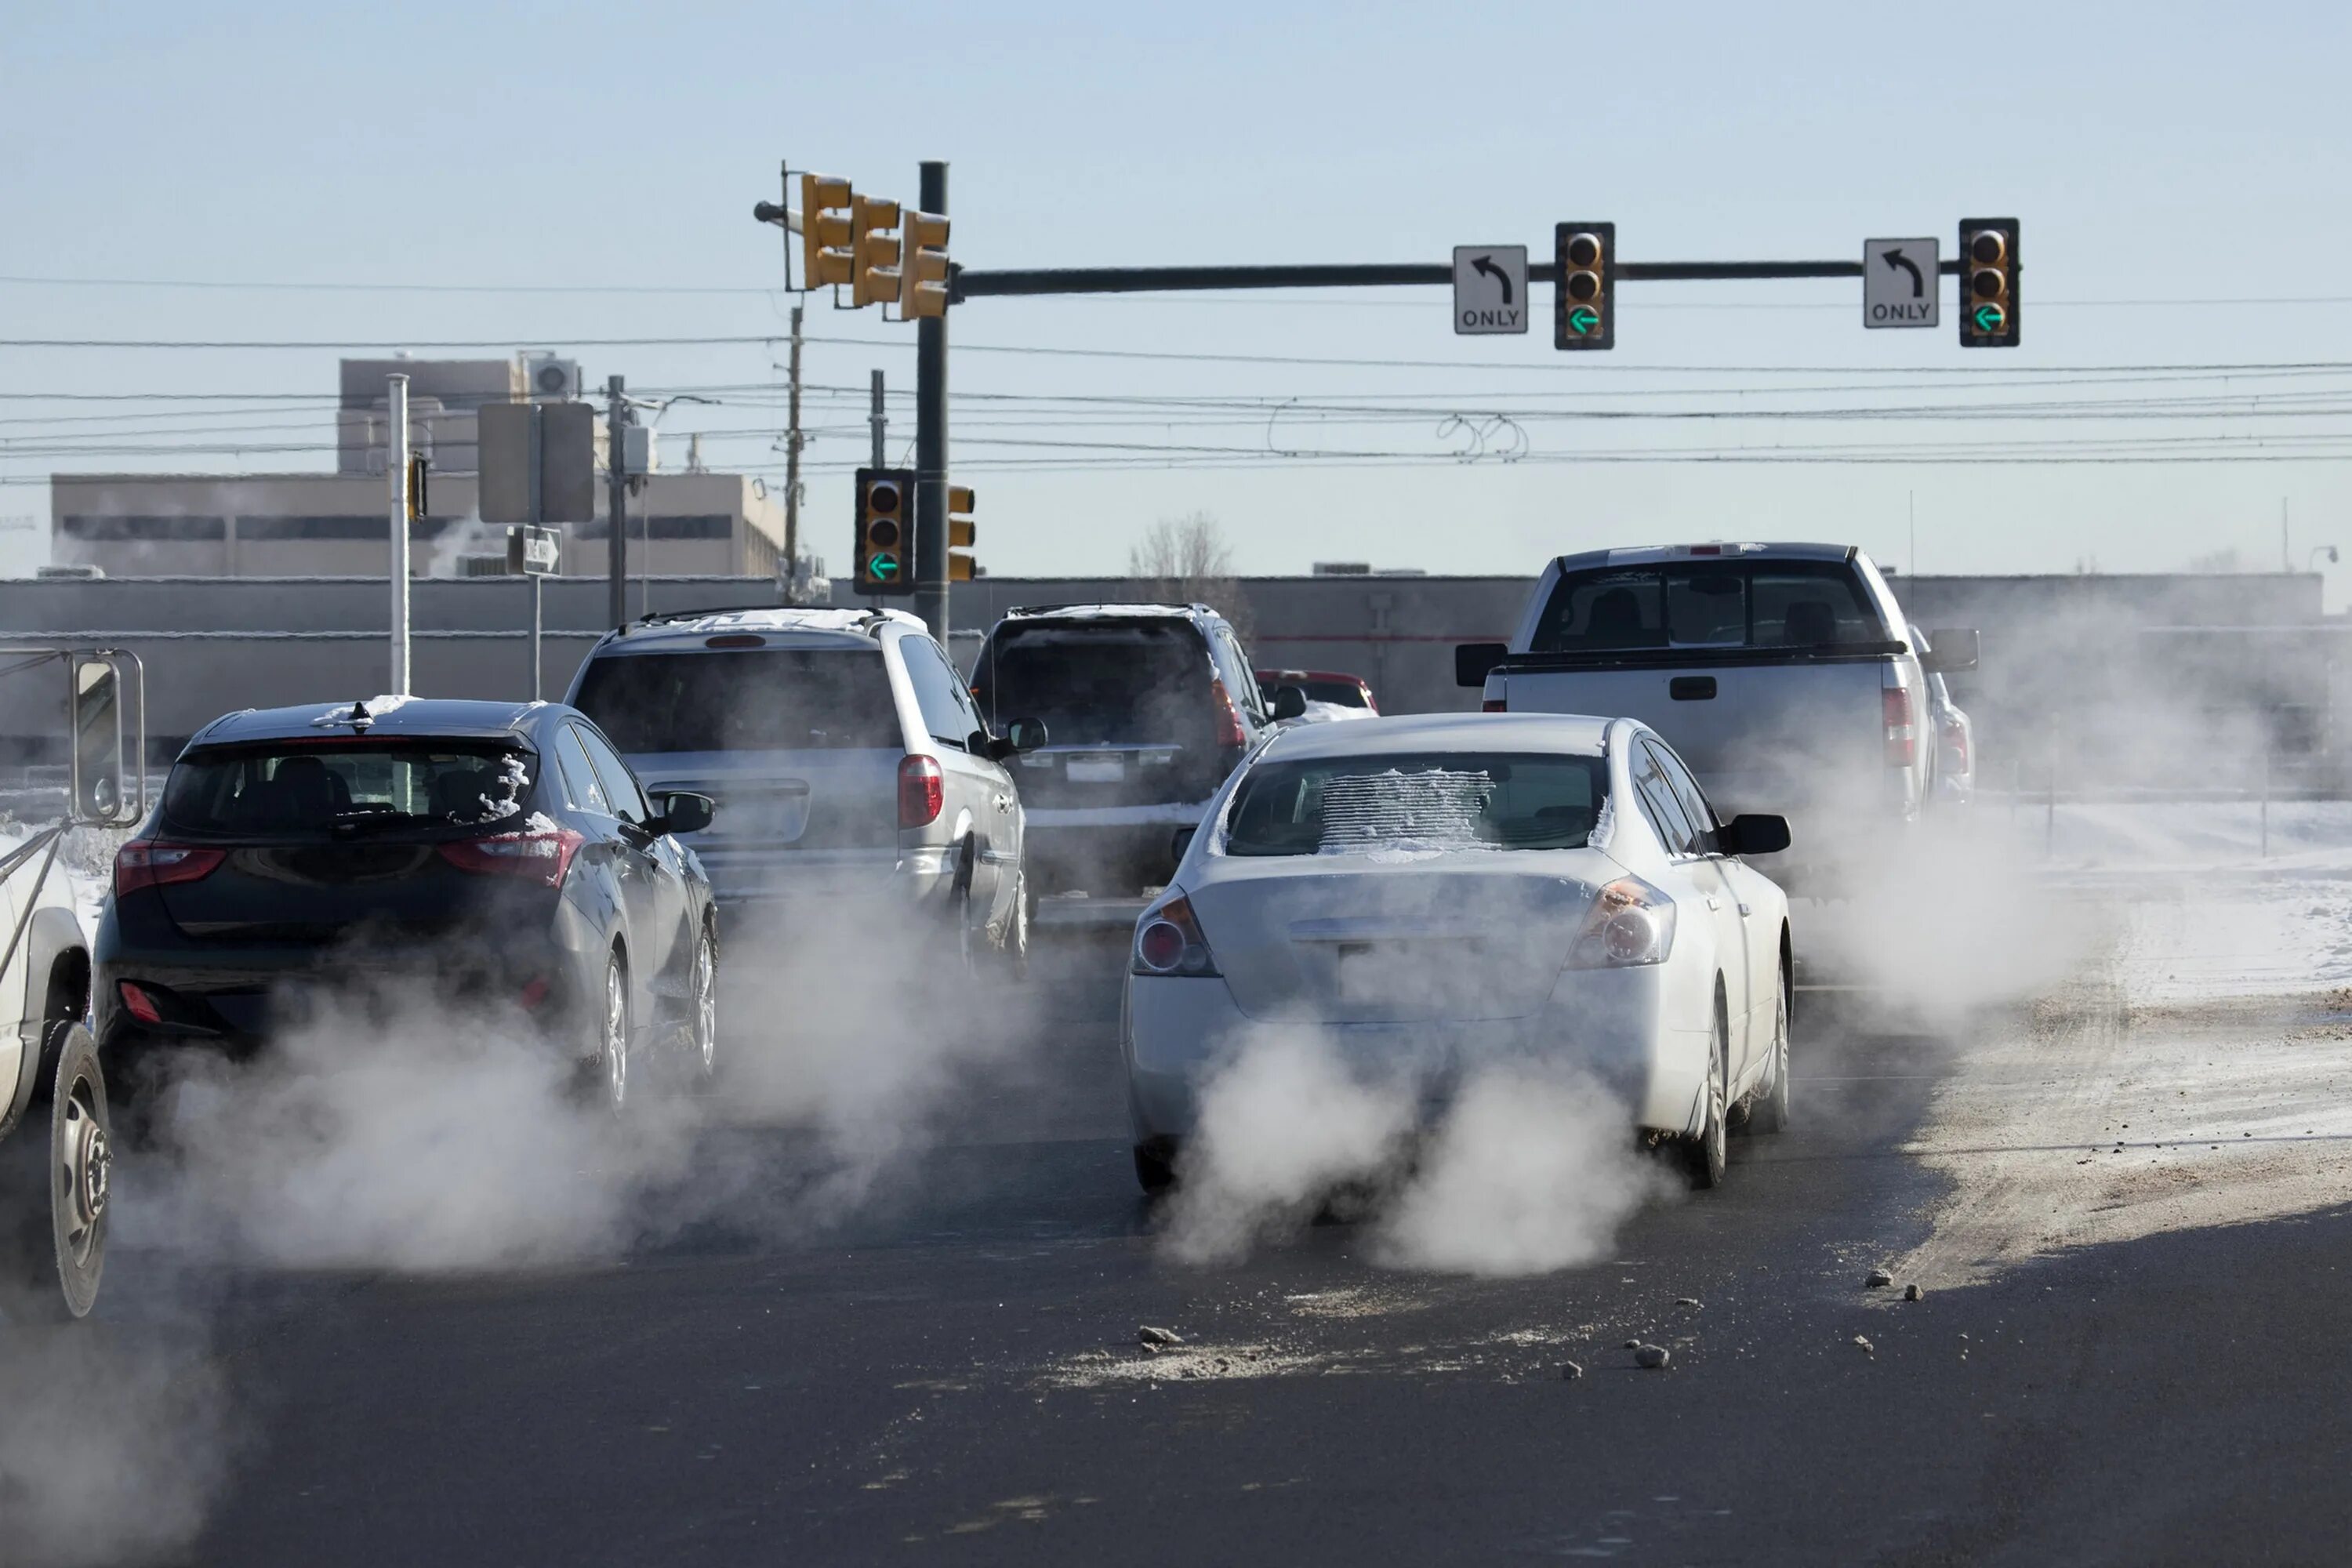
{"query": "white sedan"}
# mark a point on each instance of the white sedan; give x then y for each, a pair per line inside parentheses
(1432, 894)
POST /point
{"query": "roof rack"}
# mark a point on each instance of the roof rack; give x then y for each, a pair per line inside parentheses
(1105, 604)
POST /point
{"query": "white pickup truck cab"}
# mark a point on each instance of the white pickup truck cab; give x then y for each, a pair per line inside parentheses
(1785, 675)
(56, 1139)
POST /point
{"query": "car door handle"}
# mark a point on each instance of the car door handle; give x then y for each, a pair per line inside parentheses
(1745, 912)
(1713, 902)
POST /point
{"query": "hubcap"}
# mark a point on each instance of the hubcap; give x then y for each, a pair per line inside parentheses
(616, 1036)
(705, 1006)
(88, 1168)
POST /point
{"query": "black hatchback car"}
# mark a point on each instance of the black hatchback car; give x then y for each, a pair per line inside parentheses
(497, 853)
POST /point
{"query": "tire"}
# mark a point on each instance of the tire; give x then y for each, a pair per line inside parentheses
(1770, 1112)
(612, 1057)
(1155, 1170)
(1706, 1154)
(54, 1202)
(702, 1041)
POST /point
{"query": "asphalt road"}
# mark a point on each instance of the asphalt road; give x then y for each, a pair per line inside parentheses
(953, 1376)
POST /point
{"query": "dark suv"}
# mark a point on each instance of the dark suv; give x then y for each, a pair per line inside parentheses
(1146, 708)
(490, 852)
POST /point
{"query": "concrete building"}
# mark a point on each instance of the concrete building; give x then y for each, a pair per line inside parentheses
(335, 524)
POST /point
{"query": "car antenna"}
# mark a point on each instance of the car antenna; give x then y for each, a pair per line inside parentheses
(360, 717)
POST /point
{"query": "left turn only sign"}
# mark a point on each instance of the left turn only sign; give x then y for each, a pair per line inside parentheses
(1490, 289)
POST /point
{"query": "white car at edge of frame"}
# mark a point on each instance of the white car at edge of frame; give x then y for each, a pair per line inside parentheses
(1434, 894)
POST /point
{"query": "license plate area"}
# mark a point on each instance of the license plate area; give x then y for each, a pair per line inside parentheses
(1095, 770)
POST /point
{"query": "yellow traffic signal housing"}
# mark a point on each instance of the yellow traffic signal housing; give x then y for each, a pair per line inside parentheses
(1585, 314)
(824, 230)
(1988, 305)
(923, 271)
(874, 248)
(962, 533)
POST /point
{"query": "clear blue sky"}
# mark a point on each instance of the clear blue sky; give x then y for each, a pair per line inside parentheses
(2153, 151)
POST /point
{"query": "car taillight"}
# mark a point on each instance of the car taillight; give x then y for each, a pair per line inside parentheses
(1495, 705)
(1902, 735)
(152, 863)
(1632, 923)
(543, 856)
(922, 790)
(1168, 942)
(1229, 717)
(1956, 735)
(141, 1006)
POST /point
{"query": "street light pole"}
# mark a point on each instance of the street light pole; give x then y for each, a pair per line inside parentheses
(616, 504)
(395, 466)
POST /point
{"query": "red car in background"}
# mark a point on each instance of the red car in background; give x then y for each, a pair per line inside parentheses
(1329, 687)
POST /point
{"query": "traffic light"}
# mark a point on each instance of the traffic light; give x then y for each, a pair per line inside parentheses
(885, 530)
(874, 247)
(824, 230)
(961, 535)
(1585, 314)
(923, 271)
(1988, 288)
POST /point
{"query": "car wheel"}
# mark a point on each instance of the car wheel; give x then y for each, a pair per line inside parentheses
(1155, 1169)
(1708, 1152)
(54, 1202)
(705, 1006)
(1770, 1113)
(613, 1036)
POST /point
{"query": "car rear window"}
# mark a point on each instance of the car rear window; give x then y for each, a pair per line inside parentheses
(372, 786)
(1094, 685)
(1443, 800)
(764, 699)
(1710, 603)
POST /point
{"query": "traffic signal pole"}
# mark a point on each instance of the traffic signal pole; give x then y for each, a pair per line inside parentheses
(931, 441)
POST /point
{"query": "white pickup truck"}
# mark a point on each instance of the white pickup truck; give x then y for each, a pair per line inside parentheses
(1784, 675)
(55, 1135)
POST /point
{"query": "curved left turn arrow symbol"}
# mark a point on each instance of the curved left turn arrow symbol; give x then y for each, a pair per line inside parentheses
(1485, 264)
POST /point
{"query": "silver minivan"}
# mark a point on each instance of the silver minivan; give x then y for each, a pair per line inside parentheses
(845, 753)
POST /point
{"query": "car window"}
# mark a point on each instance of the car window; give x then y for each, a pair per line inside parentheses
(1416, 802)
(948, 713)
(773, 698)
(1711, 604)
(1235, 670)
(1658, 802)
(1692, 799)
(620, 784)
(579, 776)
(384, 788)
(1105, 682)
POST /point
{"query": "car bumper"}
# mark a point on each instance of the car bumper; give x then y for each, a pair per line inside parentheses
(1613, 1024)
(752, 881)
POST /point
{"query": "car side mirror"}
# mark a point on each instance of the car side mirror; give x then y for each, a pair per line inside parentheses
(1474, 662)
(1181, 840)
(685, 812)
(103, 789)
(1753, 834)
(1021, 735)
(1289, 702)
(1950, 650)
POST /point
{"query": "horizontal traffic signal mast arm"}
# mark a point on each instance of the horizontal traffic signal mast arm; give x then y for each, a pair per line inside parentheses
(972, 283)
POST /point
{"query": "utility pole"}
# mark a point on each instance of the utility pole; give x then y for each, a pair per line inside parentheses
(931, 441)
(395, 467)
(878, 422)
(792, 447)
(616, 502)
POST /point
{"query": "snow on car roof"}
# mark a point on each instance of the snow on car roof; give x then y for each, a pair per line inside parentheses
(428, 717)
(1107, 612)
(1644, 554)
(1576, 734)
(692, 628)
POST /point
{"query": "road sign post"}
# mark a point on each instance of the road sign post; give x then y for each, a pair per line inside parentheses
(534, 552)
(1490, 289)
(1898, 283)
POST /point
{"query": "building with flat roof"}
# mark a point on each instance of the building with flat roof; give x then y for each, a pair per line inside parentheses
(336, 524)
